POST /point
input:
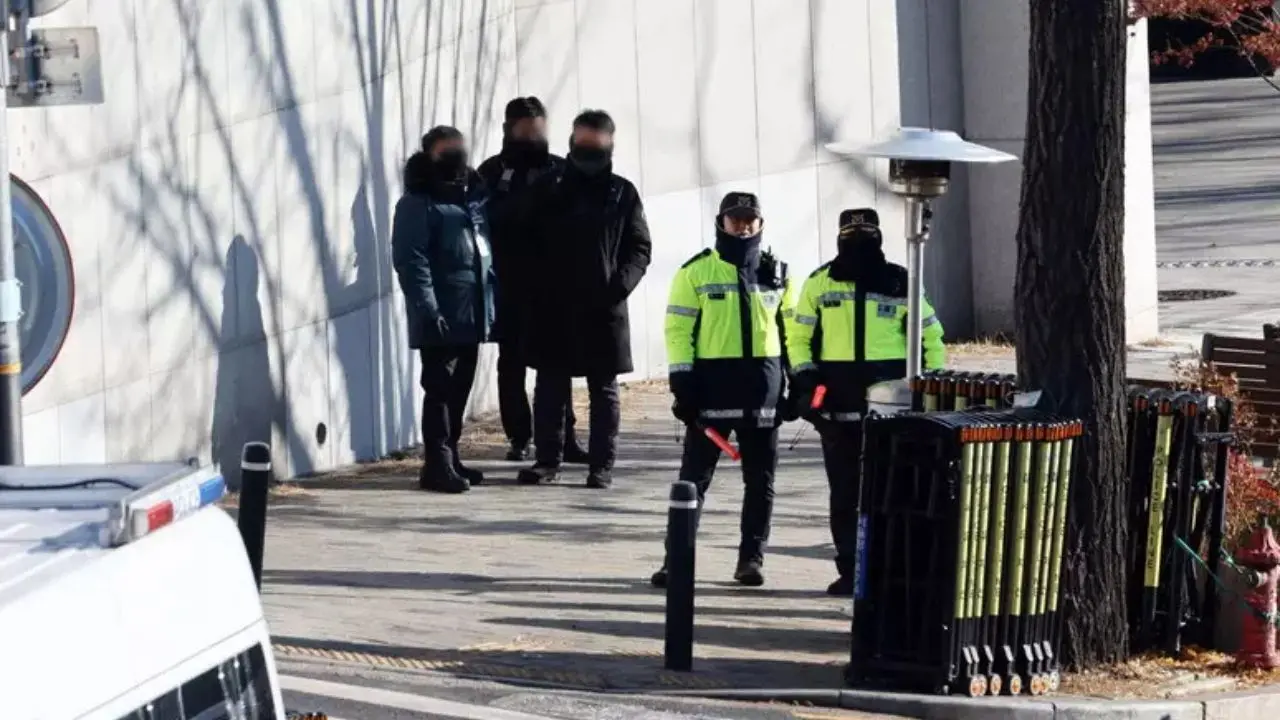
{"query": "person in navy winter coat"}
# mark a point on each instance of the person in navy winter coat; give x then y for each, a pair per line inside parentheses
(440, 249)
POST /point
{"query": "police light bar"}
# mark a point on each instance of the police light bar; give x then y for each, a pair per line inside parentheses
(150, 508)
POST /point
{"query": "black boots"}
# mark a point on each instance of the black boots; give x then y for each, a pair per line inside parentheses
(599, 479)
(440, 471)
(442, 478)
(842, 587)
(539, 474)
(749, 573)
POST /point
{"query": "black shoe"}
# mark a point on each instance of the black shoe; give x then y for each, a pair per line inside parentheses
(473, 476)
(575, 454)
(842, 587)
(442, 479)
(659, 579)
(518, 452)
(749, 574)
(539, 474)
(600, 479)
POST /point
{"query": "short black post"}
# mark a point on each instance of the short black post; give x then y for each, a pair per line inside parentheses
(682, 529)
(255, 476)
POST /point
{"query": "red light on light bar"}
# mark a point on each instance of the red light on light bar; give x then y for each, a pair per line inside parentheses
(159, 515)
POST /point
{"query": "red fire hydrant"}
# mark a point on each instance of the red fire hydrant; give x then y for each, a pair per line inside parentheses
(1260, 562)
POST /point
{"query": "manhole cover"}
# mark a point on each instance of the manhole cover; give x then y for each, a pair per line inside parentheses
(1192, 295)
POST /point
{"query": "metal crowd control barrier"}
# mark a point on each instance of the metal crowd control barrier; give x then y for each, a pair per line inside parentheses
(1179, 445)
(962, 525)
(956, 390)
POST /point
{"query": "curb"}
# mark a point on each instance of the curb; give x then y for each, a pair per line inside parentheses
(1260, 704)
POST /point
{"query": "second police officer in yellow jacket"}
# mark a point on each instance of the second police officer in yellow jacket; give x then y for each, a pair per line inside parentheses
(849, 332)
(726, 355)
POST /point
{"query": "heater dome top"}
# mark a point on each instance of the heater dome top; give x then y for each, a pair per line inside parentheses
(911, 143)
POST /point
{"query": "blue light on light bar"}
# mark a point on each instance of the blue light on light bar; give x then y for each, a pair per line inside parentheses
(212, 490)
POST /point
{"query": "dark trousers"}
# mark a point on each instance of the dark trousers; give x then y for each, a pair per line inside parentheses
(842, 457)
(447, 374)
(759, 448)
(552, 395)
(513, 400)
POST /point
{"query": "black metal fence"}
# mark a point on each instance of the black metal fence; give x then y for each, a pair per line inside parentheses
(1179, 448)
(963, 519)
(1182, 438)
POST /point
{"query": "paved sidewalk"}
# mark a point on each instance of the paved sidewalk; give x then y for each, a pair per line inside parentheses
(550, 584)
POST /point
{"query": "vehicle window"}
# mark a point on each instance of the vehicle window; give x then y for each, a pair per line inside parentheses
(236, 689)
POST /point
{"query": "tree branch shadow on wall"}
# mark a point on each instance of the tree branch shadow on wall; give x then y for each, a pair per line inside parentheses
(367, 363)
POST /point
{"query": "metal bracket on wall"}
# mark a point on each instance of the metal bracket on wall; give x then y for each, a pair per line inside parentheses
(54, 66)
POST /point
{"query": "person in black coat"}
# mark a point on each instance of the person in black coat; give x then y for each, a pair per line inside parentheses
(508, 176)
(589, 248)
(440, 250)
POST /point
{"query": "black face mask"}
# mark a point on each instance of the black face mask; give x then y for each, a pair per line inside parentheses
(450, 166)
(590, 160)
(737, 250)
(520, 151)
(859, 254)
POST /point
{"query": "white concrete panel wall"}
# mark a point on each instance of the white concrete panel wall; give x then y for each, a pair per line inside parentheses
(994, 45)
(1141, 306)
(932, 94)
(229, 207)
(719, 95)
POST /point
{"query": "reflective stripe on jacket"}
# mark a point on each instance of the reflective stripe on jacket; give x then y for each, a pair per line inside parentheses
(728, 331)
(823, 335)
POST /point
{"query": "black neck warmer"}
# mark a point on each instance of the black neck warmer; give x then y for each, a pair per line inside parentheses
(741, 251)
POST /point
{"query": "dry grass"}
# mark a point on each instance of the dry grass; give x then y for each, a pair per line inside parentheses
(1157, 676)
(280, 491)
(985, 347)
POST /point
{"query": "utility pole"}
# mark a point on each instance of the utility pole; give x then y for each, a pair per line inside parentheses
(39, 68)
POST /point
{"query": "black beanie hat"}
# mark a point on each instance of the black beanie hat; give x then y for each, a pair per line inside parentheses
(524, 107)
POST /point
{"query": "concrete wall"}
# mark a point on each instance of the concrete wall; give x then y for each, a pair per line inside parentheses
(965, 69)
(228, 208)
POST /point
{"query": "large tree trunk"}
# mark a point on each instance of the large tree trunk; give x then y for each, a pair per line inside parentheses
(1070, 292)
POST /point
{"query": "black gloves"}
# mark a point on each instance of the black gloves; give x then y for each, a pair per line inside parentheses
(685, 413)
(685, 407)
(803, 385)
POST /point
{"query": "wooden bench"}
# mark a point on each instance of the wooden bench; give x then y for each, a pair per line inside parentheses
(1256, 364)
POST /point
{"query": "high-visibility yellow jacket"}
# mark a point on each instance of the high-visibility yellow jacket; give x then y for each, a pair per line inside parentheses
(725, 333)
(855, 338)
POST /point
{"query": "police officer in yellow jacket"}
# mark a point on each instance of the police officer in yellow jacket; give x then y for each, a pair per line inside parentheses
(849, 332)
(726, 355)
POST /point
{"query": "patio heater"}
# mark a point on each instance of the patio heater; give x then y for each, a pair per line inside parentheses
(919, 170)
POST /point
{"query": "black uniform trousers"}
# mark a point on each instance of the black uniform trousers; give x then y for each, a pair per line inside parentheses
(842, 458)
(447, 374)
(513, 398)
(553, 403)
(759, 448)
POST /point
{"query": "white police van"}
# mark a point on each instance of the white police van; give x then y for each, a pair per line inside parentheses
(126, 595)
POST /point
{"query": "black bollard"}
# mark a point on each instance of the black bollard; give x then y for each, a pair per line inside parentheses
(255, 475)
(682, 529)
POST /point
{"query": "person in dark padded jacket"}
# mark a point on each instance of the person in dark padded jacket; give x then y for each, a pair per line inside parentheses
(440, 248)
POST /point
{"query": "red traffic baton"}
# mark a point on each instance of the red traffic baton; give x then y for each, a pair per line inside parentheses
(725, 446)
(819, 394)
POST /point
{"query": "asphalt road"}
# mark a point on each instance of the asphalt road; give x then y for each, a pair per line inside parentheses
(1216, 147)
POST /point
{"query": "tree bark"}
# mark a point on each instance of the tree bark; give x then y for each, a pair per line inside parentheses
(1070, 293)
